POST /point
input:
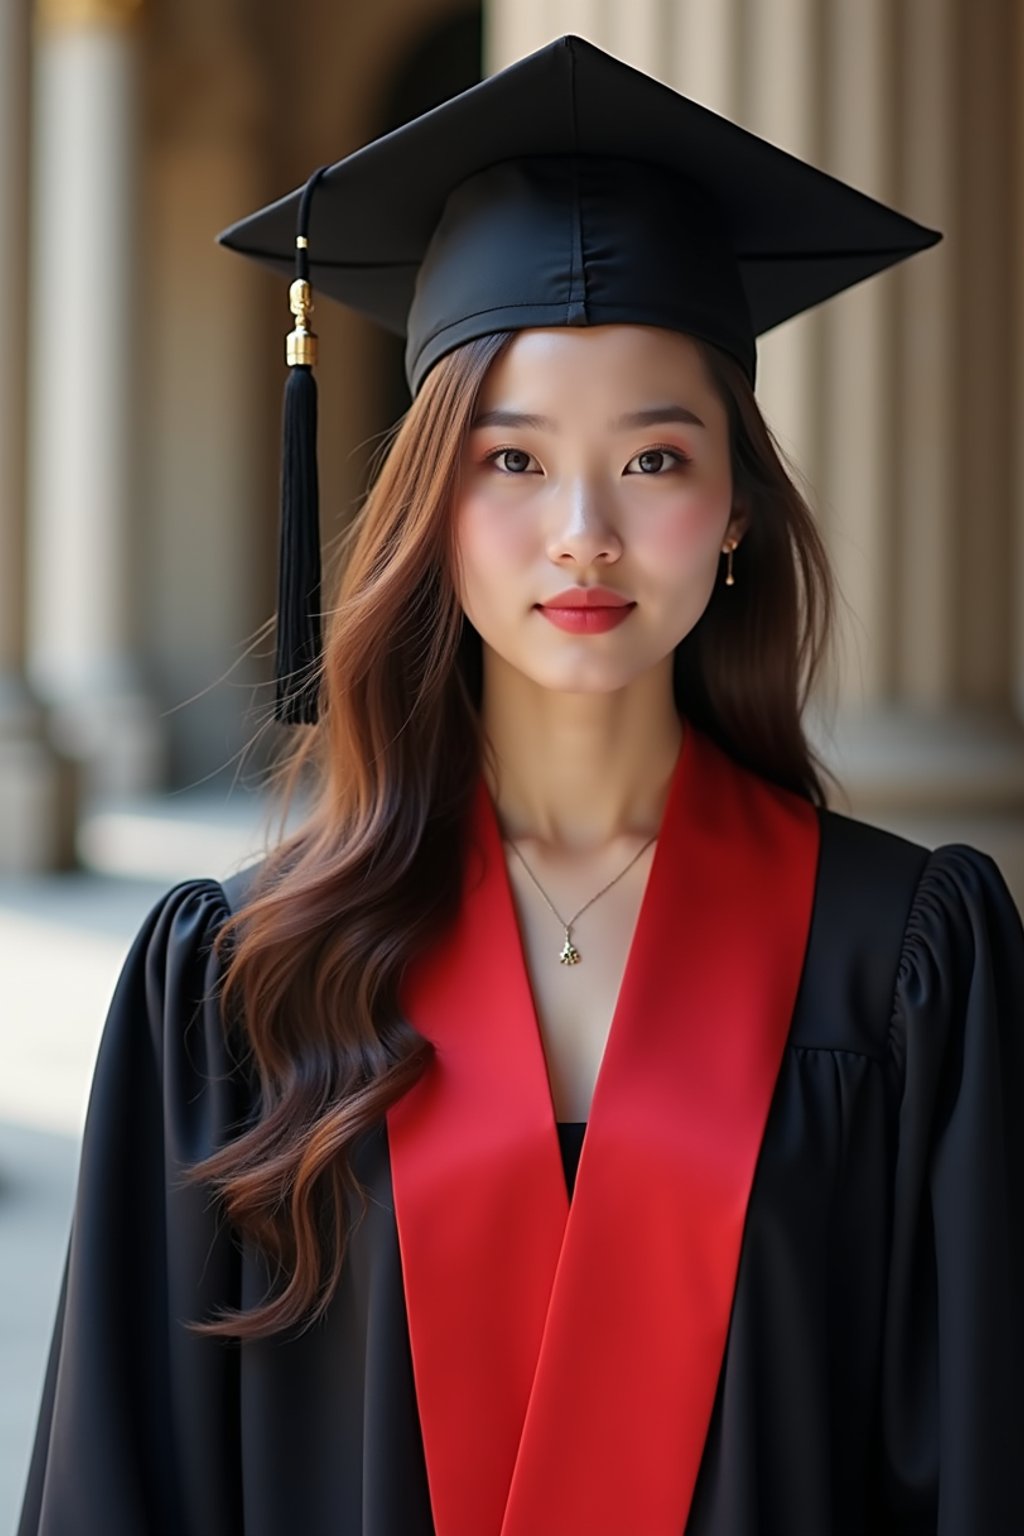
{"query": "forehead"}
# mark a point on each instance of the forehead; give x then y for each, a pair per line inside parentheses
(613, 361)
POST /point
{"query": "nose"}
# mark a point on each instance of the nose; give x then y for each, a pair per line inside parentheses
(581, 524)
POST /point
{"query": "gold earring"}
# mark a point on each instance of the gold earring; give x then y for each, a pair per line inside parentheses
(728, 548)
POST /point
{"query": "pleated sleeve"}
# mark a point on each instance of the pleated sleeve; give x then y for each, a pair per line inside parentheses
(952, 1368)
(137, 1425)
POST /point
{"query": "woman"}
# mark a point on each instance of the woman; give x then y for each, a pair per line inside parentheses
(569, 868)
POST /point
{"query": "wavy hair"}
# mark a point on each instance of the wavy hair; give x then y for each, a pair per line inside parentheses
(312, 963)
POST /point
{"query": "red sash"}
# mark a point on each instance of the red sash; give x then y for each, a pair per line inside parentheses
(566, 1357)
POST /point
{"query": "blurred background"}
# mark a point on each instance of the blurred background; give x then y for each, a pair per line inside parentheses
(141, 373)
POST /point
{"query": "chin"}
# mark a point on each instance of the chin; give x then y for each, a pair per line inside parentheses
(588, 679)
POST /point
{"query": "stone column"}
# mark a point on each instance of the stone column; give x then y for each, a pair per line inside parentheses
(31, 825)
(513, 28)
(1017, 388)
(84, 518)
(214, 376)
(16, 710)
(857, 503)
(707, 54)
(779, 98)
(932, 745)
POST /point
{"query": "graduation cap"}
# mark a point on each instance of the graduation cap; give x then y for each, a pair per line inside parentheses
(567, 189)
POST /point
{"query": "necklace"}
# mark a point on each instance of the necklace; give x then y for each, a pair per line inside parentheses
(569, 954)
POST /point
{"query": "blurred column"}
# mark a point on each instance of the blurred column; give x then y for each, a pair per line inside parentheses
(857, 502)
(30, 822)
(83, 373)
(17, 713)
(707, 54)
(933, 742)
(1017, 390)
(780, 98)
(215, 369)
(638, 32)
(923, 549)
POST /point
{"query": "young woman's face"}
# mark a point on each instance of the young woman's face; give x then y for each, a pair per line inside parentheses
(599, 456)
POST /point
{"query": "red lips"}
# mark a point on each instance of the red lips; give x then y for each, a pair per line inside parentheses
(587, 597)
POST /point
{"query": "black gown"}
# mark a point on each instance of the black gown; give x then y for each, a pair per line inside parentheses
(873, 1377)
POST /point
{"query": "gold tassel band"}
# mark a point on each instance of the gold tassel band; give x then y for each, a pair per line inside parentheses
(300, 344)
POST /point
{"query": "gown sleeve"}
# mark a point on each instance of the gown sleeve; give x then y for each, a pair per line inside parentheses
(952, 1370)
(137, 1417)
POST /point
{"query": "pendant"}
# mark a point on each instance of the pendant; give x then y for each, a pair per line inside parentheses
(570, 955)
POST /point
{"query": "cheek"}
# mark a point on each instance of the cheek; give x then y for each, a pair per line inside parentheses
(491, 538)
(688, 529)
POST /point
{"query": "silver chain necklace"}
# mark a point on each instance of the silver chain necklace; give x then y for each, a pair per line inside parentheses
(570, 955)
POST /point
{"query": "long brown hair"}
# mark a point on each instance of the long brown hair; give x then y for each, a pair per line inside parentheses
(313, 961)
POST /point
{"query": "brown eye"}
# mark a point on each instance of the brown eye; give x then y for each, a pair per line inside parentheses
(653, 460)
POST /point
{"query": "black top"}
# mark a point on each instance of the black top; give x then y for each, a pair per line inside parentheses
(570, 1140)
(873, 1374)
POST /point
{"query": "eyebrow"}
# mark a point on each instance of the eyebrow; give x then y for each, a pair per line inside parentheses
(650, 416)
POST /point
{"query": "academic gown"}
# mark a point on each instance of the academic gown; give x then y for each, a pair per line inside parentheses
(785, 1298)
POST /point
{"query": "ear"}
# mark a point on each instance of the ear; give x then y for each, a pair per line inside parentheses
(739, 522)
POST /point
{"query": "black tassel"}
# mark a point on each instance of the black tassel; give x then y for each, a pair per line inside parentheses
(298, 590)
(298, 580)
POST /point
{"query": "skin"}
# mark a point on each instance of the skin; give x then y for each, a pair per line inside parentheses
(584, 725)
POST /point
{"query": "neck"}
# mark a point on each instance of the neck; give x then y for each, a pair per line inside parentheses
(577, 771)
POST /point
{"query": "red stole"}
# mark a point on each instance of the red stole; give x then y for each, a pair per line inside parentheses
(566, 1356)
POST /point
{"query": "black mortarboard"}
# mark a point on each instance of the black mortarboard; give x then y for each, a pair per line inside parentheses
(568, 189)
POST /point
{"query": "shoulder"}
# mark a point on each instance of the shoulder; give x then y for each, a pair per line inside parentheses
(885, 877)
(173, 1075)
(865, 890)
(879, 870)
(963, 937)
(869, 858)
(239, 887)
(180, 927)
(956, 1027)
(889, 915)
(171, 974)
(189, 914)
(871, 854)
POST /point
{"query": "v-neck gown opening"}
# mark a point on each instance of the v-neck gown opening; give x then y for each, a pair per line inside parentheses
(570, 1140)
